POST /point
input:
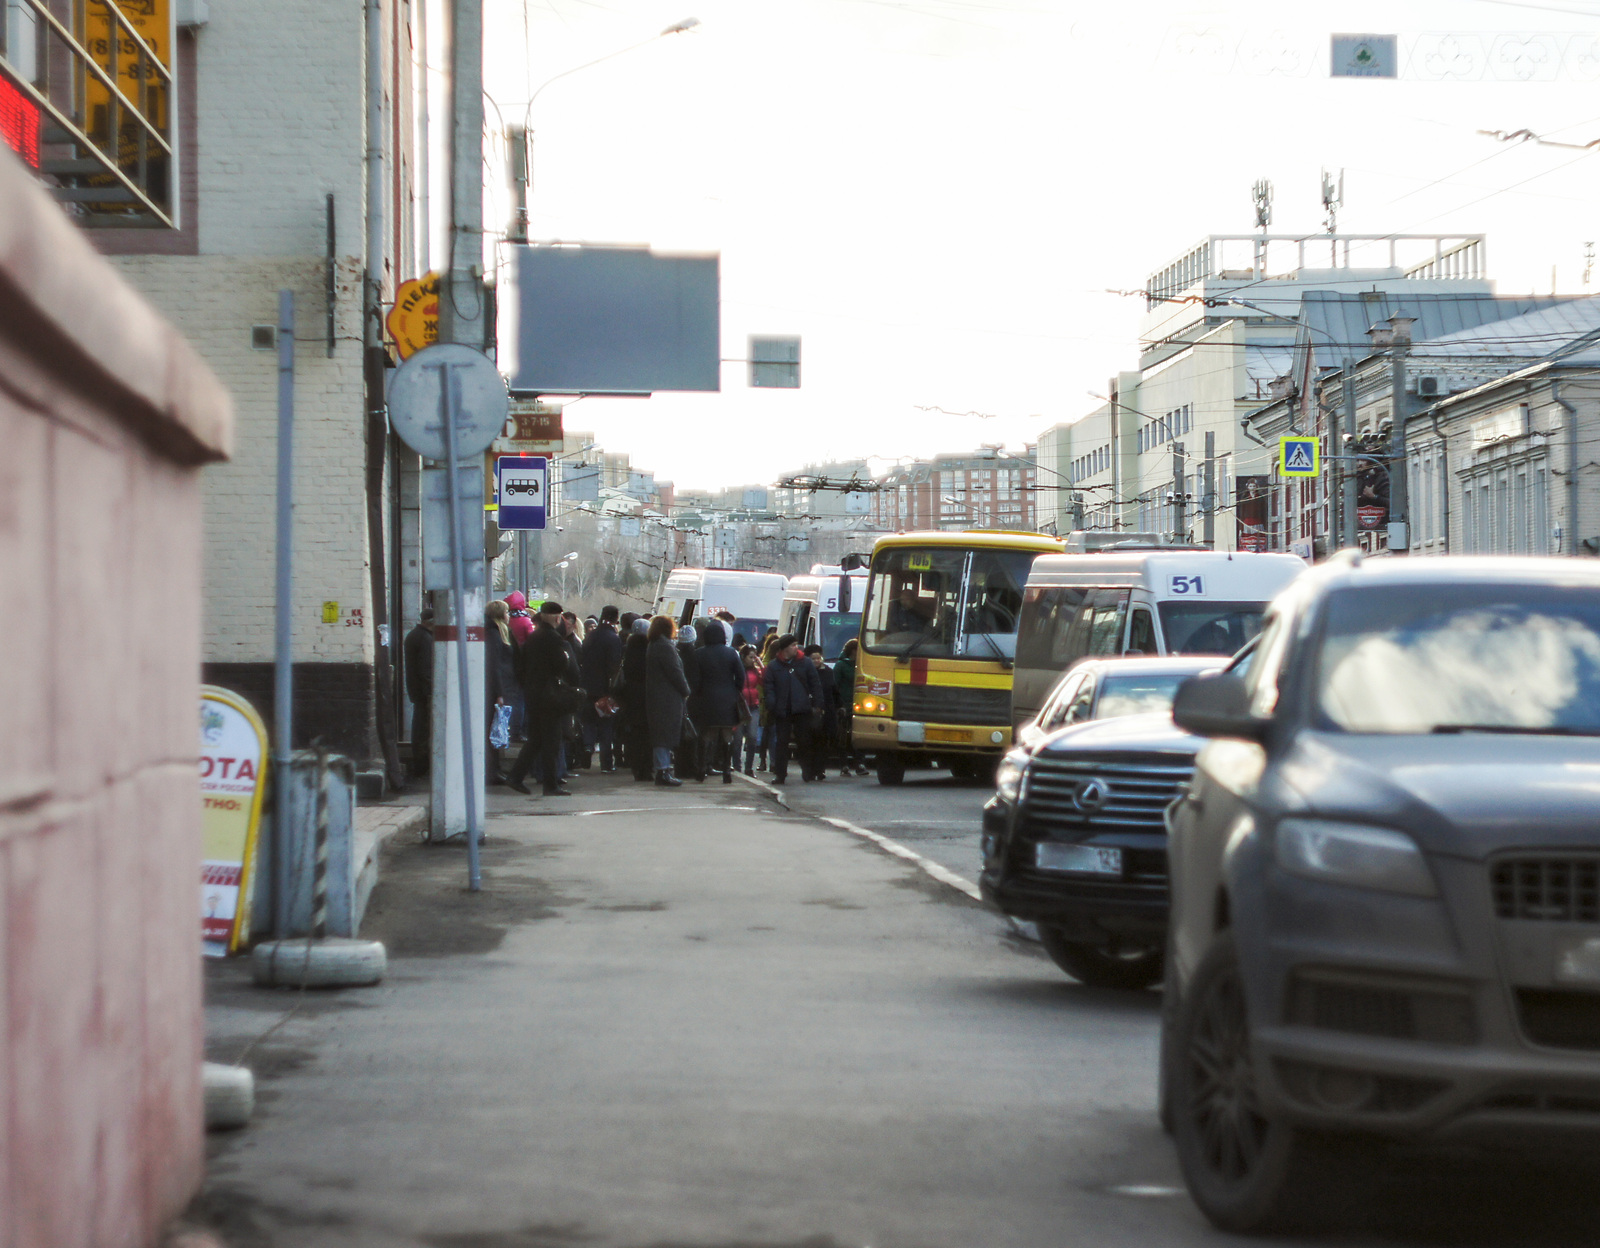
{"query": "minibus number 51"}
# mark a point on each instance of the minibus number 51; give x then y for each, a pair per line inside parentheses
(1188, 587)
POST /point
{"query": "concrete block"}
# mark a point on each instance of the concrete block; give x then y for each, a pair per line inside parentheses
(332, 963)
(230, 1096)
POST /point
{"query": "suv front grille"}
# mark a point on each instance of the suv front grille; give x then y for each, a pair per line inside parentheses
(1551, 890)
(1137, 789)
(1395, 1012)
(951, 704)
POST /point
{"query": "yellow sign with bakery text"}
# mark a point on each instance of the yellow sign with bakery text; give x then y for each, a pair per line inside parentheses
(413, 321)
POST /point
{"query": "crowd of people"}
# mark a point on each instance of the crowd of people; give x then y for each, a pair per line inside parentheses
(622, 690)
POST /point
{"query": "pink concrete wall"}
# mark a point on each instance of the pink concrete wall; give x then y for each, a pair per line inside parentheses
(105, 418)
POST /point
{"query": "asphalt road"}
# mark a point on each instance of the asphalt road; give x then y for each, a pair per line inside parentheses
(690, 1018)
(932, 812)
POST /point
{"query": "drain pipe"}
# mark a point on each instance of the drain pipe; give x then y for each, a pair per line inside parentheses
(1571, 536)
(1444, 478)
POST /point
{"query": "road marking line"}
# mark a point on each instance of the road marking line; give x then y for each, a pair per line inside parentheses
(654, 810)
(943, 874)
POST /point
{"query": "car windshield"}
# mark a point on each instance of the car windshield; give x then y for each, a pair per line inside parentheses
(1488, 657)
(1210, 627)
(945, 602)
(1137, 695)
(834, 629)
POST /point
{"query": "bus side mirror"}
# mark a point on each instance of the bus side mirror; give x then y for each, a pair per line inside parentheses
(853, 561)
(844, 594)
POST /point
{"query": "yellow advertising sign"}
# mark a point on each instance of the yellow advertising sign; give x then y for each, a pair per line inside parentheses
(233, 769)
(152, 21)
(413, 322)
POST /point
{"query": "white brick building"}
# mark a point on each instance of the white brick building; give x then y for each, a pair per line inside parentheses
(271, 117)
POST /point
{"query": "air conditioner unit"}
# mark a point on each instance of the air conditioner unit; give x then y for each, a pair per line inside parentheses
(1430, 385)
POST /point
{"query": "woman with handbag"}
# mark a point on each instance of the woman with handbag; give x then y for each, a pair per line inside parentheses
(500, 681)
(666, 697)
(550, 683)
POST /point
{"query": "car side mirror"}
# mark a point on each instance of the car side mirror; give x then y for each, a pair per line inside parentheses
(1217, 706)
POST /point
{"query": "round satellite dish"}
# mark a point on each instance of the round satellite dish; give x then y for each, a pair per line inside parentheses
(416, 408)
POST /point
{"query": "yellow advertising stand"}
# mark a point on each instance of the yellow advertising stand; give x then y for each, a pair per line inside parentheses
(233, 773)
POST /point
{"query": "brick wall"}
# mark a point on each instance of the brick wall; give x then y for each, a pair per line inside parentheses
(105, 416)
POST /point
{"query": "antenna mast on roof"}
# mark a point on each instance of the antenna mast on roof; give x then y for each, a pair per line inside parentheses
(1332, 200)
(1588, 261)
(1262, 193)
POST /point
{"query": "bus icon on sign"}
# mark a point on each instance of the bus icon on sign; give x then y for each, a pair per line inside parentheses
(530, 486)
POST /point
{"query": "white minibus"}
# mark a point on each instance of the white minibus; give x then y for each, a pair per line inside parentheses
(1173, 601)
(754, 599)
(824, 607)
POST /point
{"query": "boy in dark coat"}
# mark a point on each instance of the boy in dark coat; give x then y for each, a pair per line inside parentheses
(602, 656)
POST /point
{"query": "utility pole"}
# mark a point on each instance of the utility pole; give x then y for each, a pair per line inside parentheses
(462, 319)
(1208, 494)
(1348, 502)
(1399, 497)
(1180, 525)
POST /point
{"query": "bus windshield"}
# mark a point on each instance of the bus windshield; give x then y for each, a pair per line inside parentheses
(945, 602)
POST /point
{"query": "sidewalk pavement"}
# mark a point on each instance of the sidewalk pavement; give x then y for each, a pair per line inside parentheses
(678, 1018)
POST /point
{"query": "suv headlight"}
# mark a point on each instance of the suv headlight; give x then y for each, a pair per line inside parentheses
(1010, 776)
(1355, 854)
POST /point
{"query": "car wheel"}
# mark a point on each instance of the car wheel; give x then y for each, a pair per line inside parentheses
(1245, 1169)
(891, 770)
(1136, 967)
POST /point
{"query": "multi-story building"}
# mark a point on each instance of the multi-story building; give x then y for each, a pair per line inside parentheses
(988, 489)
(1220, 330)
(239, 169)
(1495, 418)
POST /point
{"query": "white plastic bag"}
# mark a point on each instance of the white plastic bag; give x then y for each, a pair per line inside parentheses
(500, 734)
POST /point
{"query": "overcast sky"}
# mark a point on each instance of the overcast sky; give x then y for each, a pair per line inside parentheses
(936, 195)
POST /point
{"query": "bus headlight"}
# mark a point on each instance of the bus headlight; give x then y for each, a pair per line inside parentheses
(1010, 778)
(874, 697)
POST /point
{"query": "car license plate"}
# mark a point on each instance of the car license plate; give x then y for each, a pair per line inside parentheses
(1089, 859)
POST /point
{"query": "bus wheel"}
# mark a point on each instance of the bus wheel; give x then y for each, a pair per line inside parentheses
(891, 770)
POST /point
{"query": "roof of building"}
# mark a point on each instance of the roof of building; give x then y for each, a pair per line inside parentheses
(1336, 321)
(1532, 335)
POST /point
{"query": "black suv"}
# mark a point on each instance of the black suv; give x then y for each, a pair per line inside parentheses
(1073, 840)
(1386, 876)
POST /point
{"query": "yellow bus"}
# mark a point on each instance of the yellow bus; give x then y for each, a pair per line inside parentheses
(938, 642)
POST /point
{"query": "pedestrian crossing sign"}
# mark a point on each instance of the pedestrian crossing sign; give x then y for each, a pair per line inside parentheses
(1299, 457)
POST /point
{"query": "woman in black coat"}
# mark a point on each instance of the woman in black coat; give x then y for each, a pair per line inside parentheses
(666, 696)
(715, 704)
(635, 727)
(499, 675)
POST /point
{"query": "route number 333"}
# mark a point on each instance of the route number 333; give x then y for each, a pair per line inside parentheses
(1187, 587)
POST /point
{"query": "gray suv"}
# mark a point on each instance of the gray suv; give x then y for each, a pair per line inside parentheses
(1385, 877)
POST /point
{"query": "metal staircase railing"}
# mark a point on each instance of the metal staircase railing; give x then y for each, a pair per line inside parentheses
(105, 100)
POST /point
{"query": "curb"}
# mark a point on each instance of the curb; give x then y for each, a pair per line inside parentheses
(771, 790)
(943, 874)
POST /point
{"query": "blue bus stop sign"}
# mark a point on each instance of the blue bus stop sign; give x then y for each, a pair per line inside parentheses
(521, 488)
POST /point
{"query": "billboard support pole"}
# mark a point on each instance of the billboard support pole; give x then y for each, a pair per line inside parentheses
(283, 620)
(449, 400)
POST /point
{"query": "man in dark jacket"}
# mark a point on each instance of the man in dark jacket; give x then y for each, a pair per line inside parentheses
(602, 656)
(794, 692)
(549, 679)
(419, 688)
(714, 705)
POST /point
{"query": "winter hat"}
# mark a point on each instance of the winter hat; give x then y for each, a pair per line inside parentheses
(686, 634)
(641, 625)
